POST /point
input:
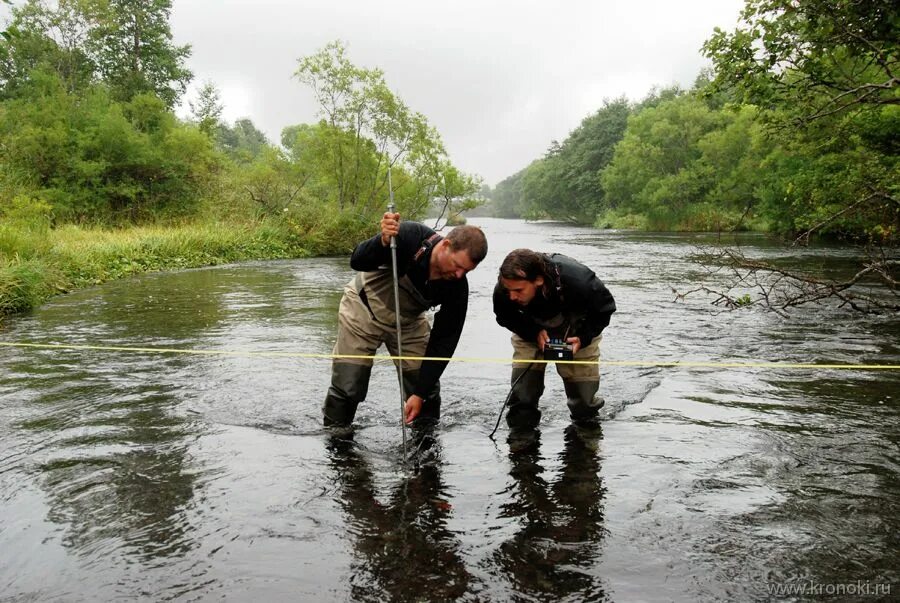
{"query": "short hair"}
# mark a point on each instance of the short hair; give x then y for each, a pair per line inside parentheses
(524, 265)
(470, 239)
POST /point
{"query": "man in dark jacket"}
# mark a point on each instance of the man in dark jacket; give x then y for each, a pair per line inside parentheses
(540, 297)
(431, 271)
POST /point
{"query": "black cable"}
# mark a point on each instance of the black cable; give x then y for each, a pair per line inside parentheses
(505, 402)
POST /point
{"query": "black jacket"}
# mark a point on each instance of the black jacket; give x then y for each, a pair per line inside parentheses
(582, 298)
(451, 295)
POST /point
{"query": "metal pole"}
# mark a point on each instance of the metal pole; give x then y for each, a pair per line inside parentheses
(397, 315)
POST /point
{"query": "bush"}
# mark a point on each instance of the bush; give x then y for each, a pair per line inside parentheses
(621, 220)
(327, 232)
(25, 284)
(93, 159)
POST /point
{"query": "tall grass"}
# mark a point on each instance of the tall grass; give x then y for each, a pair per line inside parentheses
(38, 262)
(25, 284)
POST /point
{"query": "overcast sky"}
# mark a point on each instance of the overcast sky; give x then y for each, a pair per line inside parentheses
(499, 79)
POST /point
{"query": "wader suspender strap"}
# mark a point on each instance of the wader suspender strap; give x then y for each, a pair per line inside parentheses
(557, 279)
(427, 244)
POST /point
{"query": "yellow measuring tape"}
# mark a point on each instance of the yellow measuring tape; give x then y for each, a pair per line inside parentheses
(639, 363)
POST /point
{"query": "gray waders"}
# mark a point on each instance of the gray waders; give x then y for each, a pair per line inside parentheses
(581, 383)
(366, 319)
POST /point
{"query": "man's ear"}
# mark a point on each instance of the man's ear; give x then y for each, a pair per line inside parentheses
(444, 244)
(539, 281)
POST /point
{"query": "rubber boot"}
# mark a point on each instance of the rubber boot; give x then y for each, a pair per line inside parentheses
(349, 385)
(523, 413)
(583, 402)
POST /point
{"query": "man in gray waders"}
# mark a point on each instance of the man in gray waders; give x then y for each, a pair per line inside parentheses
(432, 271)
(551, 299)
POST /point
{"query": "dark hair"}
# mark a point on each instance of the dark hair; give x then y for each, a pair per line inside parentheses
(525, 264)
(470, 239)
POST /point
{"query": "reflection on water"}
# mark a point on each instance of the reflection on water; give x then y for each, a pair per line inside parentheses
(127, 475)
(403, 548)
(555, 550)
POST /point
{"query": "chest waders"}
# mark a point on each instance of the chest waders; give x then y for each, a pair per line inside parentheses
(580, 381)
(368, 318)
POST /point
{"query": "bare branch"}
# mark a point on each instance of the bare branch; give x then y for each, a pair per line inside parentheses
(867, 91)
(877, 53)
(872, 289)
(805, 236)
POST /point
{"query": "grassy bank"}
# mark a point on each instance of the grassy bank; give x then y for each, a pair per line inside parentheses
(37, 262)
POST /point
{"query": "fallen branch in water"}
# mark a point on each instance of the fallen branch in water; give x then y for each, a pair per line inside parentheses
(779, 289)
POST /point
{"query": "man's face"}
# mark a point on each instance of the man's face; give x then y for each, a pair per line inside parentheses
(522, 291)
(449, 265)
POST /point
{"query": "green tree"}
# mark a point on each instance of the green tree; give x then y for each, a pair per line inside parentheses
(658, 95)
(130, 42)
(46, 36)
(589, 149)
(816, 57)
(242, 142)
(456, 192)
(94, 159)
(310, 149)
(826, 74)
(653, 169)
(733, 162)
(565, 183)
(369, 129)
(207, 109)
(507, 196)
(125, 43)
(274, 182)
(544, 190)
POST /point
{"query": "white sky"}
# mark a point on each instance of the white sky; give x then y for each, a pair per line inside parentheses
(499, 79)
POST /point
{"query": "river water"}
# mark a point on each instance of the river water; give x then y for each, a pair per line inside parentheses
(130, 474)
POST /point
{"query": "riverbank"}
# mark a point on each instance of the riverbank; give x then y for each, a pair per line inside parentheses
(37, 263)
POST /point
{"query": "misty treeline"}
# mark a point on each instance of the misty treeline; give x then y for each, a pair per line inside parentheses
(89, 133)
(794, 130)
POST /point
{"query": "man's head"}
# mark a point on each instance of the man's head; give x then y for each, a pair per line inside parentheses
(523, 274)
(458, 253)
